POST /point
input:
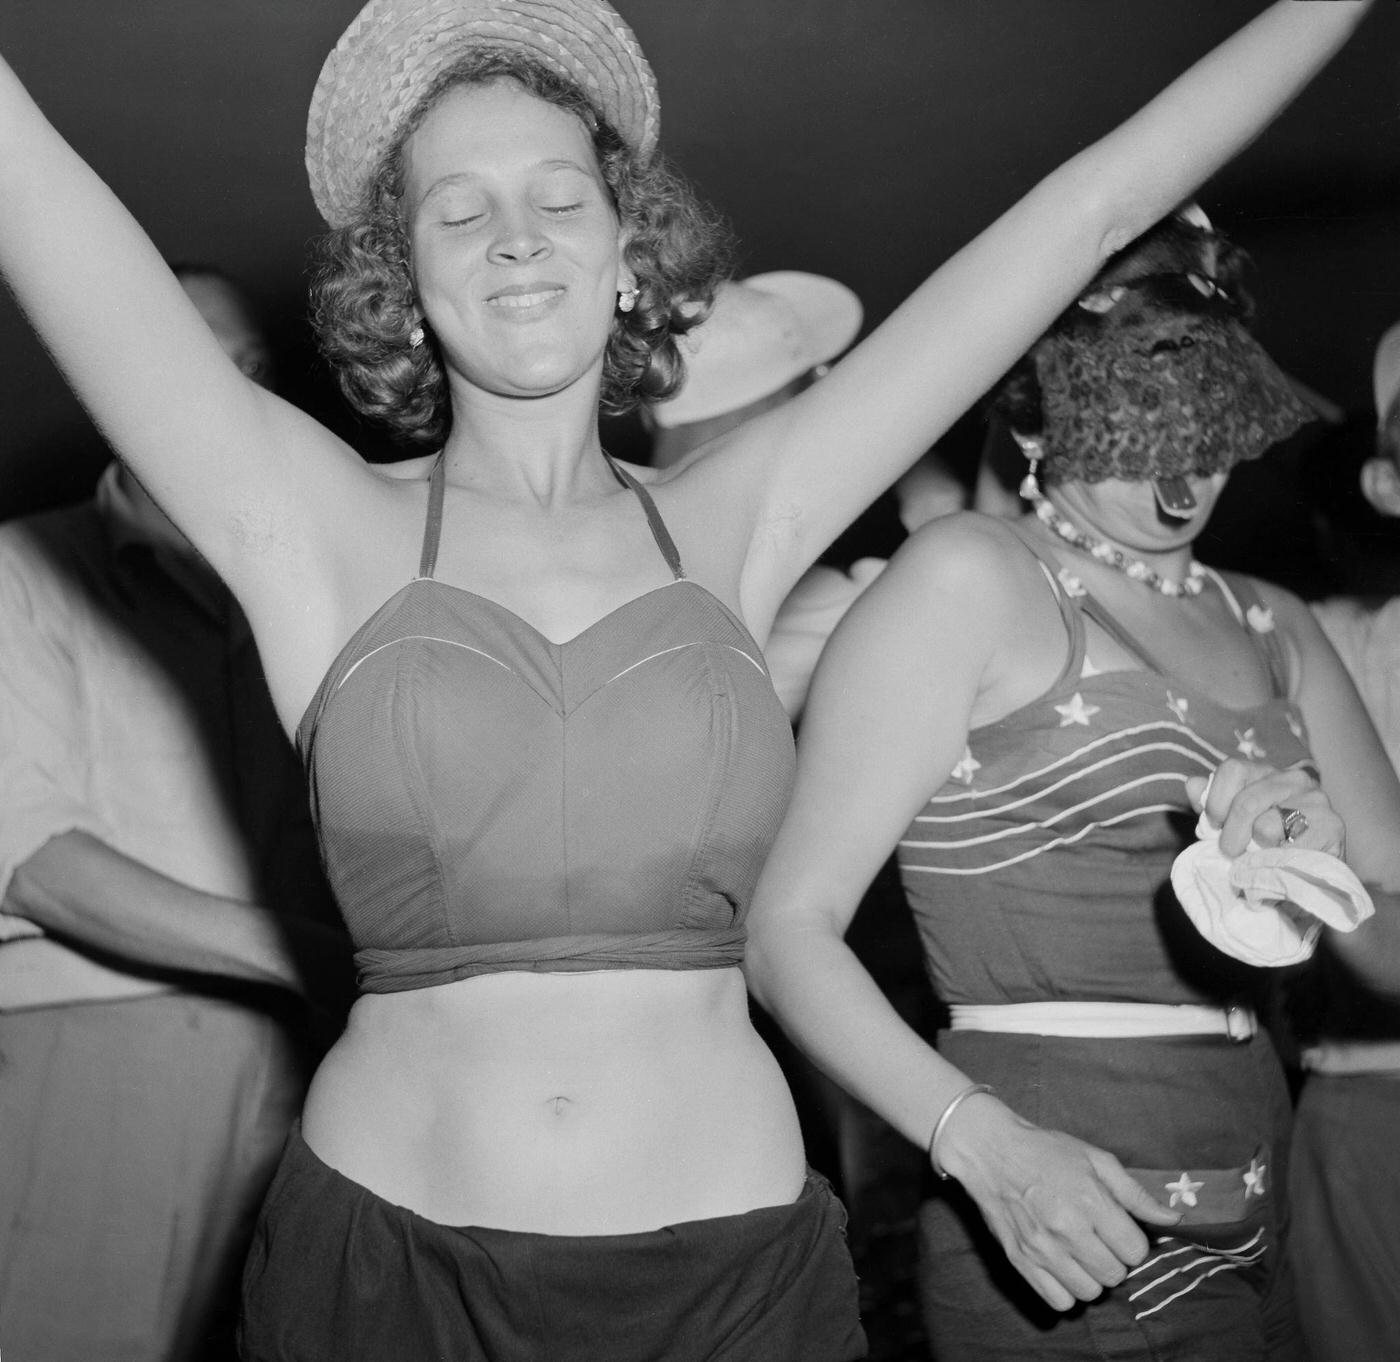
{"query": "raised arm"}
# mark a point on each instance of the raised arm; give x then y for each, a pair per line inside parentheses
(808, 468)
(888, 717)
(230, 463)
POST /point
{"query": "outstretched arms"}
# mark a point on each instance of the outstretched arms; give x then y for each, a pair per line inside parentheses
(810, 466)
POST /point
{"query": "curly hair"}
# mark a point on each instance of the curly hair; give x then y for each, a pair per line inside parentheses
(363, 302)
(1155, 266)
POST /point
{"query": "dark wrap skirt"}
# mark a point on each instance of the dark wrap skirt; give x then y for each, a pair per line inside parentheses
(1203, 1123)
(337, 1274)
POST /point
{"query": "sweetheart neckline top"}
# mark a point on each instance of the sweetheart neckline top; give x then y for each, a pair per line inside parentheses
(315, 707)
(488, 799)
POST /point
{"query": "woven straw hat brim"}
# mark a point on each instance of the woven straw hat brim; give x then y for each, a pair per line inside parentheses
(394, 49)
(763, 332)
(1387, 373)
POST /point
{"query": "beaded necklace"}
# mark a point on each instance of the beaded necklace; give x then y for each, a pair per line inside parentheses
(1102, 551)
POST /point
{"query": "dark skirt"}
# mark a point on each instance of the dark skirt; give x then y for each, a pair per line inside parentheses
(1202, 1117)
(337, 1274)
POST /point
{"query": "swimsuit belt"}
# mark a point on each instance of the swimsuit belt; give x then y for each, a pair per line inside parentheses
(1108, 1020)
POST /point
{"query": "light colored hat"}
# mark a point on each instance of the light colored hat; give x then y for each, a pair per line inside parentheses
(763, 332)
(394, 49)
(1386, 373)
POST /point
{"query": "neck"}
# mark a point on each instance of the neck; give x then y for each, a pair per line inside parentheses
(1171, 571)
(544, 450)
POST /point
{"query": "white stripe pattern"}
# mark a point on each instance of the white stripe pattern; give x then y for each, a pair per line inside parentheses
(1213, 1260)
(908, 867)
(961, 796)
(1094, 768)
(1155, 777)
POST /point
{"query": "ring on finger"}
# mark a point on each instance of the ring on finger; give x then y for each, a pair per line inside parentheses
(1295, 823)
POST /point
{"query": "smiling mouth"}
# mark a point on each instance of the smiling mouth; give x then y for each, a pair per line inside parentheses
(517, 301)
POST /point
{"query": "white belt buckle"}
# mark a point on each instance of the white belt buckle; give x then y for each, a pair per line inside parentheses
(1239, 1023)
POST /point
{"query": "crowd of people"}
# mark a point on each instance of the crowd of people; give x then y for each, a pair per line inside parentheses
(505, 728)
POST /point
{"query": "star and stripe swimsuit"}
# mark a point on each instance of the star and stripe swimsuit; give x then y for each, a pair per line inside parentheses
(1039, 872)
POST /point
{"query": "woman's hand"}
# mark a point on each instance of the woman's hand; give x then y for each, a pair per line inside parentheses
(1249, 801)
(1064, 1212)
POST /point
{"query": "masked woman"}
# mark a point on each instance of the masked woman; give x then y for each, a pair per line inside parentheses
(1030, 710)
(545, 758)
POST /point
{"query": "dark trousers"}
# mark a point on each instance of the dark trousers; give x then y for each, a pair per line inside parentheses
(337, 1274)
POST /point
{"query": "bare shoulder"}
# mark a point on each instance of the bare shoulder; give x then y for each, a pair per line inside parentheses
(978, 556)
(966, 576)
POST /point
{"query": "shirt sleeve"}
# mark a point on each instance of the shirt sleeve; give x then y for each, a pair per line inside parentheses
(42, 761)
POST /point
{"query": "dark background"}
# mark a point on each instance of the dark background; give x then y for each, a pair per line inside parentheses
(865, 139)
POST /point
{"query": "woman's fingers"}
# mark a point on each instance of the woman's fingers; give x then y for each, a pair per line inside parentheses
(1135, 1199)
(1070, 1231)
(1306, 821)
(1064, 1211)
(1047, 1287)
(1249, 801)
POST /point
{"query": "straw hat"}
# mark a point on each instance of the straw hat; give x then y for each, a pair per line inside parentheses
(763, 332)
(394, 49)
(1386, 373)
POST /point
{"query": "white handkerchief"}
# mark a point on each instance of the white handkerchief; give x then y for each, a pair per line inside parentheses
(1267, 906)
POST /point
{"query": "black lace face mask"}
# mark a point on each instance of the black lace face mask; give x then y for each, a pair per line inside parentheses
(1163, 395)
(1153, 374)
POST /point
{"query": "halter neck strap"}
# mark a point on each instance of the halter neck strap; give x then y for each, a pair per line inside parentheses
(659, 532)
(432, 526)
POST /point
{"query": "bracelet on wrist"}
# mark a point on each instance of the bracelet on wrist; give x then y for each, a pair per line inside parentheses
(959, 1098)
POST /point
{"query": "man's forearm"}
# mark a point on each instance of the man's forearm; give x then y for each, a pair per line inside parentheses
(79, 888)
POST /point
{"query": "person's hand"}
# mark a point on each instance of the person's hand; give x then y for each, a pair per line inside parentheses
(1249, 801)
(1064, 1212)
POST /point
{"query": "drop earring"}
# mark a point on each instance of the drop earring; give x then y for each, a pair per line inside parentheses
(626, 299)
(416, 336)
(1030, 484)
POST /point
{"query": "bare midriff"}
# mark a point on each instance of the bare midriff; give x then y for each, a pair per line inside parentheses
(597, 1103)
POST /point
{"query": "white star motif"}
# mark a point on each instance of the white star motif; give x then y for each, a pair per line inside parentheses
(963, 771)
(1178, 706)
(1183, 1190)
(1254, 1178)
(1072, 585)
(1260, 618)
(1294, 727)
(1247, 747)
(1076, 711)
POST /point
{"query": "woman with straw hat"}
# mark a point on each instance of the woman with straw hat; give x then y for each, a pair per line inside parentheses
(545, 760)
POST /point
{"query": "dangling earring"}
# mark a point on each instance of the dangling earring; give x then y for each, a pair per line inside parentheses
(1030, 485)
(626, 299)
(416, 336)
